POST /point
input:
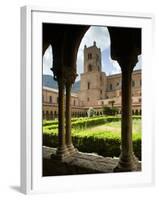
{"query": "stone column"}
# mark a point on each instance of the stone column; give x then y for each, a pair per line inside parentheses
(62, 151)
(70, 78)
(69, 144)
(127, 160)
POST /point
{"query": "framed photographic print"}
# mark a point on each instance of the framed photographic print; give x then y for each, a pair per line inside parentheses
(86, 100)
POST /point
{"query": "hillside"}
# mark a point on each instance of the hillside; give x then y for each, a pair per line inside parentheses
(48, 81)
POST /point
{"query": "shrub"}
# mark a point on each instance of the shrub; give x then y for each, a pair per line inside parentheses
(86, 122)
(110, 111)
(101, 142)
(103, 146)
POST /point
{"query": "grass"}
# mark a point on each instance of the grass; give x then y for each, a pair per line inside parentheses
(109, 129)
(98, 134)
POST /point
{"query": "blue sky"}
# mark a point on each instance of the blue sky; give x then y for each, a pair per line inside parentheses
(102, 38)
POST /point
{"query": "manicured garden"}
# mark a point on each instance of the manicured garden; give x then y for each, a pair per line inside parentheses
(101, 135)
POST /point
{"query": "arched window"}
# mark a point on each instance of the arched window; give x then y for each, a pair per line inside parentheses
(89, 56)
(89, 67)
(88, 85)
(133, 83)
(136, 112)
(51, 115)
(50, 99)
(140, 82)
(55, 114)
(47, 115)
(140, 112)
(110, 86)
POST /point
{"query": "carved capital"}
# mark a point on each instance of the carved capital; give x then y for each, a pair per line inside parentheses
(127, 64)
(67, 75)
(70, 75)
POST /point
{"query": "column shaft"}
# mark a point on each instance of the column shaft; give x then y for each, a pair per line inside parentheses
(126, 125)
(61, 150)
(69, 144)
(127, 160)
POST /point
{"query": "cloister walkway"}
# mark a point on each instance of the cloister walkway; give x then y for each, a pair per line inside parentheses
(80, 163)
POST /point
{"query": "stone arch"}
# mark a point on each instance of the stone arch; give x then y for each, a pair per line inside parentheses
(55, 114)
(125, 47)
(47, 115)
(43, 114)
(136, 112)
(51, 115)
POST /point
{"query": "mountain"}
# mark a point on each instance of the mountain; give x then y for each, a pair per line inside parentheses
(48, 81)
(76, 86)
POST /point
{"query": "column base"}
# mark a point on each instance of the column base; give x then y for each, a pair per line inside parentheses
(72, 150)
(61, 153)
(127, 164)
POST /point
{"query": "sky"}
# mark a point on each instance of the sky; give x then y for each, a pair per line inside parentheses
(102, 38)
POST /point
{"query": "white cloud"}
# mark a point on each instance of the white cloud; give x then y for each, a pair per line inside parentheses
(116, 67)
(94, 33)
(98, 34)
(102, 38)
(139, 63)
(47, 61)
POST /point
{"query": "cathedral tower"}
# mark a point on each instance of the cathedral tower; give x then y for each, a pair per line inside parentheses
(92, 59)
(92, 84)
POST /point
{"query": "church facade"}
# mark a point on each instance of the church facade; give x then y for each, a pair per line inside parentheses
(97, 89)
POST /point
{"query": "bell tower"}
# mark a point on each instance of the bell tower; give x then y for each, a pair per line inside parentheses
(92, 58)
(92, 84)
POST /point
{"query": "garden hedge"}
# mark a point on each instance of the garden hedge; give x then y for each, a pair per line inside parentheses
(102, 146)
(105, 146)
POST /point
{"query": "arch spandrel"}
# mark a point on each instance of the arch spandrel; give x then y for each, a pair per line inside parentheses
(65, 40)
(125, 44)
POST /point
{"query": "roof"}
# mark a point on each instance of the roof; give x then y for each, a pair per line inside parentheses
(138, 71)
(56, 91)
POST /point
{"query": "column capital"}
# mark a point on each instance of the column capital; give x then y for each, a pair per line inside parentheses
(70, 75)
(65, 74)
(127, 64)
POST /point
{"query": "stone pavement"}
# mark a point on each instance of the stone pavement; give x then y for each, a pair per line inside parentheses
(81, 163)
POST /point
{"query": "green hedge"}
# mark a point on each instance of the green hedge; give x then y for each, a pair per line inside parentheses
(105, 144)
(86, 122)
(102, 146)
